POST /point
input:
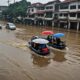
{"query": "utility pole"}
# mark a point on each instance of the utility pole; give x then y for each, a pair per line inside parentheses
(14, 1)
(8, 2)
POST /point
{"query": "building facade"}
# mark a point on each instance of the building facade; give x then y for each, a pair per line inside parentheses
(33, 13)
(55, 13)
(42, 14)
(69, 15)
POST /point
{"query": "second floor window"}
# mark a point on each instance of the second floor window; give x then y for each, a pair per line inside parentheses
(49, 7)
(64, 6)
(78, 6)
(73, 7)
(41, 8)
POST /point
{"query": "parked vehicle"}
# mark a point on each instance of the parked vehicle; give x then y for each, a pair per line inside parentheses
(10, 26)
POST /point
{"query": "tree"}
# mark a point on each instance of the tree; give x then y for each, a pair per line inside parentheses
(18, 8)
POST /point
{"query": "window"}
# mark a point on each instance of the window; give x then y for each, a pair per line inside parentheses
(31, 16)
(78, 6)
(49, 7)
(73, 7)
(65, 15)
(41, 8)
(32, 10)
(78, 15)
(60, 14)
(56, 7)
(40, 15)
(49, 15)
(72, 14)
(64, 6)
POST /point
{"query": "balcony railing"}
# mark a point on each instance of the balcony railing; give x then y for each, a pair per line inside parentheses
(73, 18)
(63, 17)
(48, 18)
(64, 10)
(73, 10)
(40, 17)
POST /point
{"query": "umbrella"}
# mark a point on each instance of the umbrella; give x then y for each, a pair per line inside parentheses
(40, 41)
(47, 33)
(58, 35)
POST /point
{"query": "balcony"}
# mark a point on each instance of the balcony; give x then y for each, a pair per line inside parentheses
(72, 18)
(63, 17)
(63, 10)
(49, 10)
(48, 18)
(40, 17)
(73, 10)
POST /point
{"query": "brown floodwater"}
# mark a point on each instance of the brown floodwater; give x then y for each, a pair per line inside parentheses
(18, 62)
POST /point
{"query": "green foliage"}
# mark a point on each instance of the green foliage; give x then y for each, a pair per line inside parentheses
(18, 8)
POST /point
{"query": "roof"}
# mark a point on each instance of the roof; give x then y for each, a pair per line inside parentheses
(36, 5)
(69, 1)
(53, 1)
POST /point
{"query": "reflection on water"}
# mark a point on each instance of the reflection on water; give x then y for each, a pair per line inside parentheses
(60, 65)
(59, 56)
(40, 61)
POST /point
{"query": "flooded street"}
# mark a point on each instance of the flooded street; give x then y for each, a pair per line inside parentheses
(18, 62)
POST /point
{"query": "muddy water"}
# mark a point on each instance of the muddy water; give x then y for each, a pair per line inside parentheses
(18, 62)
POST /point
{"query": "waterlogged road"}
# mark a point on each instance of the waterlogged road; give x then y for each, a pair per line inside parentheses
(18, 62)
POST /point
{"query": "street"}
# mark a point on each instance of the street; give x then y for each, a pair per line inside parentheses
(18, 62)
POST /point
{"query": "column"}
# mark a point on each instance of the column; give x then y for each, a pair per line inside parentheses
(34, 22)
(77, 26)
(69, 25)
(43, 23)
(52, 23)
